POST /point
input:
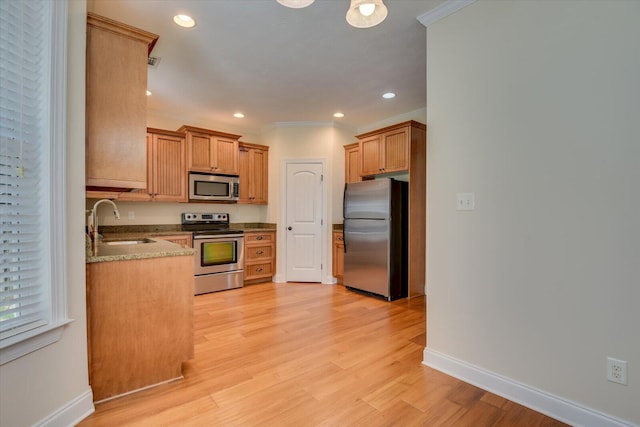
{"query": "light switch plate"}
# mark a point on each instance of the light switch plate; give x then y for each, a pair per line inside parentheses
(465, 201)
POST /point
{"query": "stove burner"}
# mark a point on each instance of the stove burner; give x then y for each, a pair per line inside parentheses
(207, 224)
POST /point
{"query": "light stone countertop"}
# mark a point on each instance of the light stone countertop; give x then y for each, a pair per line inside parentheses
(158, 248)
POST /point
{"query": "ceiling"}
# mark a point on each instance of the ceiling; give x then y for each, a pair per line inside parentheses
(277, 64)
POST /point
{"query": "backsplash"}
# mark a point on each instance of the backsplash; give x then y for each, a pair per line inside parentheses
(148, 213)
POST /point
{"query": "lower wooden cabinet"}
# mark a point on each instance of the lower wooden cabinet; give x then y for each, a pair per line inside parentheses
(259, 256)
(139, 321)
(185, 240)
(338, 255)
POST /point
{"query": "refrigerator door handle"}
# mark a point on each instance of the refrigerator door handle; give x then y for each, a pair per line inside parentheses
(344, 236)
(344, 222)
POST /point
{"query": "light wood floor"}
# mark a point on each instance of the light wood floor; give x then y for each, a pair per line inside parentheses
(311, 355)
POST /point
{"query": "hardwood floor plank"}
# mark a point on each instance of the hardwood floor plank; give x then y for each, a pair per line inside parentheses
(310, 355)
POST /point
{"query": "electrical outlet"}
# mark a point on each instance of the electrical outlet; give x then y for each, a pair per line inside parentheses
(617, 371)
(465, 201)
(132, 215)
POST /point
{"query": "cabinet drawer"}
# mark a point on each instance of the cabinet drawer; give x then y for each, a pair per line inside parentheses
(258, 252)
(259, 237)
(256, 271)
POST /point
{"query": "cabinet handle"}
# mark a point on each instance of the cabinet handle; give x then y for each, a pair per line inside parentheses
(259, 237)
(259, 252)
(259, 269)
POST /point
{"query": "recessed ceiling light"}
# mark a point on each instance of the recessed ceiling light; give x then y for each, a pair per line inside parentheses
(184, 21)
(238, 115)
(148, 93)
(388, 95)
(338, 115)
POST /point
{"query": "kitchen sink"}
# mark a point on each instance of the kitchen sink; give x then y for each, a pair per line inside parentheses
(128, 242)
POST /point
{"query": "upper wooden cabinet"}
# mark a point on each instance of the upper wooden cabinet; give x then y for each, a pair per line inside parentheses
(254, 173)
(352, 163)
(211, 151)
(388, 150)
(116, 104)
(166, 169)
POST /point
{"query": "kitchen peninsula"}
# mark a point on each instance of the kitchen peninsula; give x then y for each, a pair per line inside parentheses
(140, 314)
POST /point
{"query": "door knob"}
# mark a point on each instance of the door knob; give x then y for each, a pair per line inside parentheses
(289, 228)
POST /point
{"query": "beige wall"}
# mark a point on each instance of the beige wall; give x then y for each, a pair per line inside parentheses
(35, 386)
(534, 107)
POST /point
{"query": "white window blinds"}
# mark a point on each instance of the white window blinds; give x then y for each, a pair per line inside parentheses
(25, 141)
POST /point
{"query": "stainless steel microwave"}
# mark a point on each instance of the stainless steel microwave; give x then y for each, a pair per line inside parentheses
(213, 188)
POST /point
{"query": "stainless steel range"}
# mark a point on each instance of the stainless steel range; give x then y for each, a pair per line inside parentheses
(219, 257)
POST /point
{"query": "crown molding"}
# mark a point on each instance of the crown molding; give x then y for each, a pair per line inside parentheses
(442, 11)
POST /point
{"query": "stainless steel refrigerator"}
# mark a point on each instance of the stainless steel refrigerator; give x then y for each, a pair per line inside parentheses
(375, 237)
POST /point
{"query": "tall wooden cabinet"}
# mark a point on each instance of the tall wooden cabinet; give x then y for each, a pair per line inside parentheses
(116, 104)
(211, 151)
(254, 173)
(403, 148)
(352, 166)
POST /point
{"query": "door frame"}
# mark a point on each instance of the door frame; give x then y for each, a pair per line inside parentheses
(281, 260)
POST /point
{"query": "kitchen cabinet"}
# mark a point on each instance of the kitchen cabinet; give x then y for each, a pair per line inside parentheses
(338, 255)
(403, 148)
(352, 166)
(387, 150)
(259, 256)
(166, 169)
(254, 173)
(140, 322)
(116, 104)
(211, 151)
(184, 240)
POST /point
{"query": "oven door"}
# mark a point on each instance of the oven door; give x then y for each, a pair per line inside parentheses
(218, 254)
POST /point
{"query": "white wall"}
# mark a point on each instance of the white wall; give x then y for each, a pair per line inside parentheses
(307, 141)
(44, 383)
(534, 106)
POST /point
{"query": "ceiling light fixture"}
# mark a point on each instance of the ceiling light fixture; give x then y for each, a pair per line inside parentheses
(238, 115)
(338, 115)
(184, 21)
(296, 4)
(366, 13)
(388, 95)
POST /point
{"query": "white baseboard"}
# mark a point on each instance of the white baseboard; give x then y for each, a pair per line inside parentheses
(72, 413)
(538, 400)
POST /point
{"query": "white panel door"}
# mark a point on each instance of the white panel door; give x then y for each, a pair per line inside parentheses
(304, 222)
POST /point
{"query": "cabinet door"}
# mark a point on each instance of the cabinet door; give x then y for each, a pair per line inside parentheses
(352, 163)
(116, 105)
(225, 156)
(371, 155)
(184, 240)
(199, 147)
(338, 256)
(396, 150)
(260, 176)
(254, 175)
(246, 176)
(168, 169)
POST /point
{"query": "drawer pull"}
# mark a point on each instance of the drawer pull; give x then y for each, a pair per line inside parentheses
(259, 252)
(259, 237)
(259, 270)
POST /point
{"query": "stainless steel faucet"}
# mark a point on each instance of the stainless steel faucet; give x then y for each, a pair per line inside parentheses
(93, 221)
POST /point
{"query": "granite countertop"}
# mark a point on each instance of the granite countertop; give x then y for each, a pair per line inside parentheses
(253, 226)
(156, 249)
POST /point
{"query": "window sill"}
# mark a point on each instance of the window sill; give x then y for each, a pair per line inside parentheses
(32, 341)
